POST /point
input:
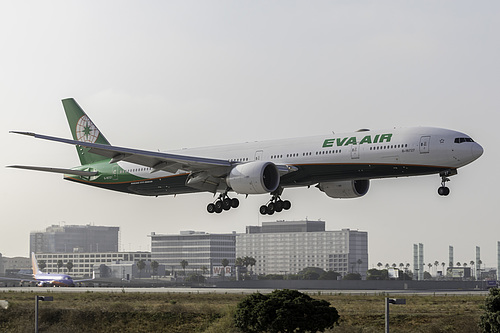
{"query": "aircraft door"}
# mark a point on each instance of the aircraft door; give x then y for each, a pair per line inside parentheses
(354, 151)
(258, 155)
(424, 144)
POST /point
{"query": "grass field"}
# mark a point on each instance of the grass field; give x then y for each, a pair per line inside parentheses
(211, 312)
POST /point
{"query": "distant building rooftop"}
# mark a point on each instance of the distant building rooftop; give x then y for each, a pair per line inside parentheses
(287, 226)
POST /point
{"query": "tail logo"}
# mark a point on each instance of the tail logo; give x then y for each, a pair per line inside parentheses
(86, 131)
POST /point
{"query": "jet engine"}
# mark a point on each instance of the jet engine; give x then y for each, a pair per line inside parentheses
(345, 189)
(256, 177)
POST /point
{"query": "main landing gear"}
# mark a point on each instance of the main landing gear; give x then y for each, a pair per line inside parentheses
(224, 202)
(275, 205)
(443, 190)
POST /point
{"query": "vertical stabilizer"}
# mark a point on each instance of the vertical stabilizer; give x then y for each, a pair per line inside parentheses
(34, 264)
(83, 129)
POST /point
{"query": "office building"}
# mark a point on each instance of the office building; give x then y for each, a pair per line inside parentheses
(9, 266)
(287, 247)
(85, 263)
(202, 251)
(75, 238)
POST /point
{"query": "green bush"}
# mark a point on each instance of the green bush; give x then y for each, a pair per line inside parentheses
(490, 319)
(284, 311)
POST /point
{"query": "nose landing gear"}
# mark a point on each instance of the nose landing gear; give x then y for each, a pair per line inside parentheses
(443, 190)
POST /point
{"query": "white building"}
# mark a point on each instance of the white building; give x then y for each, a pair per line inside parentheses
(287, 247)
(202, 251)
(14, 265)
(85, 263)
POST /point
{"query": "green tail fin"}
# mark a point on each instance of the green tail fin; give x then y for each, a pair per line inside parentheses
(83, 129)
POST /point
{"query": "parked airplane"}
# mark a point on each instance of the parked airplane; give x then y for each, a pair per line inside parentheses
(49, 280)
(340, 165)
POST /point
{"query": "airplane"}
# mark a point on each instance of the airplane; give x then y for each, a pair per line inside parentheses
(340, 165)
(49, 280)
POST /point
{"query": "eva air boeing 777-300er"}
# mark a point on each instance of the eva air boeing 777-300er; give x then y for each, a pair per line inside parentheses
(340, 165)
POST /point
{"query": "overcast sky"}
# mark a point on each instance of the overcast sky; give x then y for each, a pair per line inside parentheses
(166, 75)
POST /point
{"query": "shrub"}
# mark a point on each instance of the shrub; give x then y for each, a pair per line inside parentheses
(284, 311)
(490, 319)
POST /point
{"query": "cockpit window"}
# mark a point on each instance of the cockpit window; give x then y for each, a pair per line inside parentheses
(461, 140)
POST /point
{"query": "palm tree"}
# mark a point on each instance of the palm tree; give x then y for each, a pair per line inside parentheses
(154, 267)
(224, 263)
(238, 262)
(387, 266)
(140, 266)
(359, 262)
(472, 263)
(459, 264)
(436, 264)
(430, 266)
(252, 262)
(184, 263)
(443, 264)
(59, 265)
(69, 266)
(401, 266)
(379, 265)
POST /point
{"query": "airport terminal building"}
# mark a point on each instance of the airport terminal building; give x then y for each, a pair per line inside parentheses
(287, 247)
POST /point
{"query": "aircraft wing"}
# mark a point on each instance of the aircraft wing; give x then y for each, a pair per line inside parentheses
(155, 160)
(18, 279)
(56, 170)
(83, 280)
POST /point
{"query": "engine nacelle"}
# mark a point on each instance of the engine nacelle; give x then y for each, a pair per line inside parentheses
(256, 177)
(345, 189)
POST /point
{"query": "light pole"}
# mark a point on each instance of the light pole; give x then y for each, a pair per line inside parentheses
(388, 301)
(40, 298)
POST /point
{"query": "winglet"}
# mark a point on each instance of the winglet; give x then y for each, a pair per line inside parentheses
(23, 133)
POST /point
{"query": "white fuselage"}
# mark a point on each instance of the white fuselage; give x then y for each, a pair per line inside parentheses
(424, 147)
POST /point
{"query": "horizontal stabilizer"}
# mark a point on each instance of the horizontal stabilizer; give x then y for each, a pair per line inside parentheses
(55, 170)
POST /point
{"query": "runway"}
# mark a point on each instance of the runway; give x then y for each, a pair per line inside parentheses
(41, 290)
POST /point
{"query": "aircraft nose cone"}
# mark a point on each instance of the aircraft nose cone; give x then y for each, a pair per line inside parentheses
(477, 150)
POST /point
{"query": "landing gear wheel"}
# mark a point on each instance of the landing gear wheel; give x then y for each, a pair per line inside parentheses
(443, 191)
(287, 205)
(278, 206)
(211, 208)
(226, 204)
(223, 202)
(235, 203)
(275, 204)
(270, 209)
